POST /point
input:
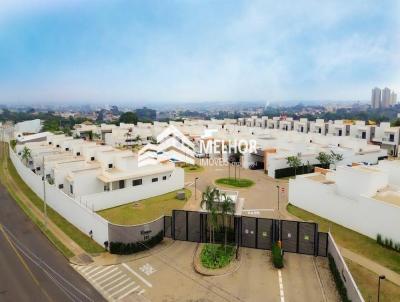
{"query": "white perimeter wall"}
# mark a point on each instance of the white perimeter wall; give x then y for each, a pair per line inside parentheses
(353, 292)
(70, 209)
(364, 215)
(110, 199)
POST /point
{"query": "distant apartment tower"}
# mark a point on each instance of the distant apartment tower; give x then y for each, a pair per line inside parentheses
(376, 98)
(393, 98)
(386, 98)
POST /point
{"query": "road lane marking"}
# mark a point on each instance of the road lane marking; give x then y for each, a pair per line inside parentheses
(99, 272)
(89, 272)
(137, 275)
(122, 289)
(108, 278)
(281, 292)
(24, 264)
(128, 292)
(106, 274)
(120, 283)
(112, 282)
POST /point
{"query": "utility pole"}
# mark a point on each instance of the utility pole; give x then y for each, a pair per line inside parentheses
(195, 188)
(44, 195)
(381, 277)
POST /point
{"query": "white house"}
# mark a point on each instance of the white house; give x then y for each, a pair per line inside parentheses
(361, 198)
(387, 137)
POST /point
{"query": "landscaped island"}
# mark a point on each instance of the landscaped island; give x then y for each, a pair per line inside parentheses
(232, 182)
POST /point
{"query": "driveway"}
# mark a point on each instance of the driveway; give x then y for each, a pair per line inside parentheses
(260, 200)
(168, 275)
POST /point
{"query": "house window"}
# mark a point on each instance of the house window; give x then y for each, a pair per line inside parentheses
(110, 166)
(58, 146)
(391, 137)
(92, 158)
(71, 189)
(50, 143)
(164, 178)
(61, 186)
(66, 149)
(38, 169)
(106, 188)
(137, 182)
(78, 153)
(146, 237)
(154, 179)
(122, 184)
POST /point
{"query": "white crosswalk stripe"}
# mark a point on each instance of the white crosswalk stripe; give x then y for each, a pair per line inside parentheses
(115, 282)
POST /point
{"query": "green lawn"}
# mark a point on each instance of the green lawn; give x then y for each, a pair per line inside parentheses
(74, 233)
(367, 282)
(192, 168)
(145, 210)
(236, 183)
(353, 241)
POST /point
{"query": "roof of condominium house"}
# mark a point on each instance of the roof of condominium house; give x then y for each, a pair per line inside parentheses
(117, 174)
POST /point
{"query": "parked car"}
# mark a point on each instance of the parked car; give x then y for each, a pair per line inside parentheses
(258, 165)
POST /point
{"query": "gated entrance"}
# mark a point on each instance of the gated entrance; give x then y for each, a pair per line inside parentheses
(260, 233)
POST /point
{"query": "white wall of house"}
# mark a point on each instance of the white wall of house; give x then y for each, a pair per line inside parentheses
(131, 193)
(362, 214)
(70, 209)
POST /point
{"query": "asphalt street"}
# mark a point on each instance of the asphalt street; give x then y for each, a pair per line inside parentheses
(31, 267)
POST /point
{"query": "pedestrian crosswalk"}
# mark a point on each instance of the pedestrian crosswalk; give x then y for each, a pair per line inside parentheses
(114, 282)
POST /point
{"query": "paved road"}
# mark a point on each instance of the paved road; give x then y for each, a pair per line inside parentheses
(23, 280)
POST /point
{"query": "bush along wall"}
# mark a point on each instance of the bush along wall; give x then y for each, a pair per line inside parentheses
(121, 248)
(388, 243)
(277, 256)
(338, 279)
(287, 172)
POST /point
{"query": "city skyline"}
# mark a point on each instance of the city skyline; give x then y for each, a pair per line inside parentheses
(76, 51)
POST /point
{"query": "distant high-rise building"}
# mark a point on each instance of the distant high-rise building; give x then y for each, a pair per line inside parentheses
(393, 98)
(386, 98)
(376, 98)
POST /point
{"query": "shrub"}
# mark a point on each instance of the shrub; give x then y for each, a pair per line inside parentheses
(388, 243)
(121, 248)
(277, 256)
(338, 279)
(216, 256)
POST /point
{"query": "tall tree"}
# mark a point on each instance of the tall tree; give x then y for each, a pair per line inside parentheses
(128, 118)
(26, 155)
(227, 208)
(294, 162)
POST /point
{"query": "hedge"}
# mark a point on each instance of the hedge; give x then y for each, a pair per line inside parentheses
(286, 172)
(121, 248)
(277, 256)
(338, 279)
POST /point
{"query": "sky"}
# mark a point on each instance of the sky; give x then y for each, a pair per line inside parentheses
(141, 52)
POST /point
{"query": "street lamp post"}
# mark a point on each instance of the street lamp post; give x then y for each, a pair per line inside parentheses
(195, 188)
(381, 277)
(44, 195)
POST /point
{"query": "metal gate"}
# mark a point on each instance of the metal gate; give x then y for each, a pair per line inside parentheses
(251, 232)
(289, 235)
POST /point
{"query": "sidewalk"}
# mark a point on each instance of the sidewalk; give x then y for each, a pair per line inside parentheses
(371, 265)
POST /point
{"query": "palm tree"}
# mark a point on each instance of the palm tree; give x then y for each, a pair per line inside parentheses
(26, 154)
(227, 208)
(208, 201)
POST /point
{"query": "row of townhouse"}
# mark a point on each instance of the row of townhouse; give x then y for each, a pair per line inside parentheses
(383, 134)
(101, 174)
(274, 146)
